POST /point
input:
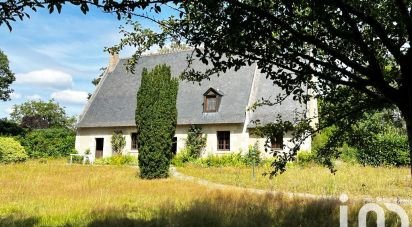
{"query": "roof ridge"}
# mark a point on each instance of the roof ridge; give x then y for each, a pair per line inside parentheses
(159, 54)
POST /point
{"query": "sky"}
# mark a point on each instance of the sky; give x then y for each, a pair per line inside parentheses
(56, 56)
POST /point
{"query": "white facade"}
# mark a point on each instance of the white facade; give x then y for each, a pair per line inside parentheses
(239, 139)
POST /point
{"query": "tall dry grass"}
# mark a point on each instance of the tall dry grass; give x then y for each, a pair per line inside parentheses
(56, 194)
(355, 180)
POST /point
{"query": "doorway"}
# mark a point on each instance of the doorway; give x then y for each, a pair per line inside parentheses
(99, 147)
(174, 145)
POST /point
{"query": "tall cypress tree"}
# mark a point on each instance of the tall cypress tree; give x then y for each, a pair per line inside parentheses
(156, 116)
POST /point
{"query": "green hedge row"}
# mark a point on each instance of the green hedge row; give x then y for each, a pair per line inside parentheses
(49, 143)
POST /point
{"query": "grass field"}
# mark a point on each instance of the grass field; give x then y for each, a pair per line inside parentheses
(57, 194)
(354, 180)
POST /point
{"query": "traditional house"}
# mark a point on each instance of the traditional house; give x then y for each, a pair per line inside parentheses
(219, 105)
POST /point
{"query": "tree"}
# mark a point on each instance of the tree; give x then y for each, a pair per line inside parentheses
(9, 128)
(118, 142)
(96, 80)
(173, 47)
(156, 117)
(37, 114)
(11, 10)
(6, 77)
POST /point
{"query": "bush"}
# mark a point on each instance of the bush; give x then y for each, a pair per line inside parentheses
(156, 118)
(379, 141)
(252, 157)
(195, 142)
(321, 138)
(55, 142)
(118, 142)
(11, 151)
(118, 160)
(387, 148)
(234, 159)
(348, 154)
(305, 157)
(182, 157)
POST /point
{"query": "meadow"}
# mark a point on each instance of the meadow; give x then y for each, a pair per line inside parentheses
(355, 180)
(53, 193)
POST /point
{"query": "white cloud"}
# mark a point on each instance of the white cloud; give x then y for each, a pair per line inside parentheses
(33, 97)
(46, 78)
(70, 96)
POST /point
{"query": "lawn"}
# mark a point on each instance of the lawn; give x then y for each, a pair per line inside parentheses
(57, 194)
(355, 180)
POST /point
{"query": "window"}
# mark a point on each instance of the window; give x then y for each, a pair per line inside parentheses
(134, 141)
(212, 99)
(210, 103)
(223, 140)
(277, 141)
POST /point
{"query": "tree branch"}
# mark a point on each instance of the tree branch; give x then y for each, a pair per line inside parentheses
(306, 37)
(405, 17)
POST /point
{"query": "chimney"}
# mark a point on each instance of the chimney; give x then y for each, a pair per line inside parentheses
(114, 59)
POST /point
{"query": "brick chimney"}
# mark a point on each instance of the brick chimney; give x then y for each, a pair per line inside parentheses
(114, 59)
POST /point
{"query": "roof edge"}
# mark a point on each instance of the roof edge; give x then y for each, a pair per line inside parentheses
(90, 101)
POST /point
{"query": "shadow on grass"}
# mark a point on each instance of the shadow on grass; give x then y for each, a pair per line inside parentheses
(221, 209)
(18, 220)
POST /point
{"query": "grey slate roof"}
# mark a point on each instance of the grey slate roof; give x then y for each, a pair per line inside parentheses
(288, 110)
(114, 101)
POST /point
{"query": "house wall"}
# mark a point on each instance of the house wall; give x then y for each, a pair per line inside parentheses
(239, 140)
(306, 145)
(85, 139)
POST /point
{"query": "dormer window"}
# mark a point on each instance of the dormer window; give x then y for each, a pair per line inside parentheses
(212, 99)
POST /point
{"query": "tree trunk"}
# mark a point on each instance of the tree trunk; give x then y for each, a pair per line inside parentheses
(405, 100)
(407, 115)
(409, 131)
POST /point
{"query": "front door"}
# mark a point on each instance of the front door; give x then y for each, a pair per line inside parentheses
(174, 145)
(99, 147)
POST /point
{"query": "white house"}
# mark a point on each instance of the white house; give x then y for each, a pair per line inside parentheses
(219, 106)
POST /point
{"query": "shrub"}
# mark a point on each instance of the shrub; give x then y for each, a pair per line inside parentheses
(321, 138)
(118, 160)
(118, 142)
(252, 157)
(156, 117)
(387, 148)
(55, 142)
(11, 151)
(233, 159)
(305, 157)
(195, 142)
(348, 154)
(379, 141)
(182, 157)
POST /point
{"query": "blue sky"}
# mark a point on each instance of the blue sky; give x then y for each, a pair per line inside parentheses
(57, 55)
